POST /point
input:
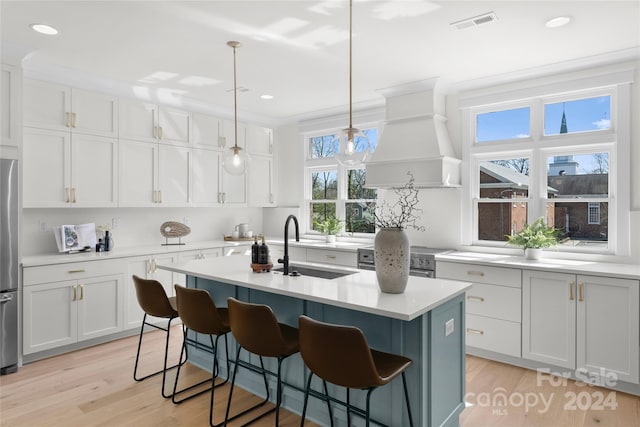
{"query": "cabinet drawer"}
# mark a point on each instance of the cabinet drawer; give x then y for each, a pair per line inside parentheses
(479, 274)
(500, 336)
(349, 259)
(499, 302)
(71, 271)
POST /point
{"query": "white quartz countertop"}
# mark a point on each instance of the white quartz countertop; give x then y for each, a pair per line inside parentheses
(321, 244)
(357, 291)
(596, 268)
(117, 252)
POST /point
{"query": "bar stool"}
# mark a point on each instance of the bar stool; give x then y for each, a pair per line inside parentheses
(154, 302)
(257, 330)
(200, 314)
(340, 354)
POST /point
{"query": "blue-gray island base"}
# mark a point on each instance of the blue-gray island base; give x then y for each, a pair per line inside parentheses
(434, 340)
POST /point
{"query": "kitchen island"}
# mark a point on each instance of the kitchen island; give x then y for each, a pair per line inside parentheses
(426, 324)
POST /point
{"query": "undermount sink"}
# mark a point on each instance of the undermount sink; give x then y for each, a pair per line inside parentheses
(299, 270)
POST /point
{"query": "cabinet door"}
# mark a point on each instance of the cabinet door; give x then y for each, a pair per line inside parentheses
(206, 130)
(228, 132)
(206, 177)
(46, 169)
(174, 126)
(607, 327)
(94, 113)
(93, 171)
(261, 181)
(49, 316)
(138, 173)
(133, 314)
(549, 318)
(10, 116)
(99, 306)
(46, 105)
(174, 175)
(137, 120)
(259, 140)
(234, 188)
(167, 278)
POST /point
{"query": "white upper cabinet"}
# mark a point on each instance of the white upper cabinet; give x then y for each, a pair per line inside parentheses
(138, 169)
(174, 176)
(261, 181)
(233, 190)
(10, 101)
(63, 172)
(143, 121)
(57, 107)
(227, 131)
(206, 168)
(206, 130)
(259, 140)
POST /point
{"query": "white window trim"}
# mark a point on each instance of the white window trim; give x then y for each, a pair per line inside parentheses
(542, 91)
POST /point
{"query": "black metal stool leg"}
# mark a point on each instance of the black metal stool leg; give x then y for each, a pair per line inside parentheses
(348, 407)
(326, 392)
(406, 397)
(233, 380)
(369, 406)
(306, 399)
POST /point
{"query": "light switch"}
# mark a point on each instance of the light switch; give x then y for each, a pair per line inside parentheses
(448, 328)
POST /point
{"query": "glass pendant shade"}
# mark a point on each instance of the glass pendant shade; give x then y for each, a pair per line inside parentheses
(355, 147)
(235, 160)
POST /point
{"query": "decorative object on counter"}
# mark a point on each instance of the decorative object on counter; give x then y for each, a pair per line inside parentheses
(534, 237)
(173, 229)
(391, 245)
(330, 227)
(235, 158)
(105, 238)
(260, 258)
(75, 238)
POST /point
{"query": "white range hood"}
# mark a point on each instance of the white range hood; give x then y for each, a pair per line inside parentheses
(415, 139)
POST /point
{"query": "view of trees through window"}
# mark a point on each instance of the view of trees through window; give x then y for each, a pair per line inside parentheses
(338, 191)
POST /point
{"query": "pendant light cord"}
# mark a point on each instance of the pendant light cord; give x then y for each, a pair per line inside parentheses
(235, 102)
(350, 64)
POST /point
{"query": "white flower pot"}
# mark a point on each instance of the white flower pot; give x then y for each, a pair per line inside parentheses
(533, 253)
(331, 238)
(392, 260)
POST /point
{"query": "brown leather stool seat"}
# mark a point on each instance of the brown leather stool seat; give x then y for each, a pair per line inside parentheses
(199, 313)
(256, 329)
(154, 302)
(341, 355)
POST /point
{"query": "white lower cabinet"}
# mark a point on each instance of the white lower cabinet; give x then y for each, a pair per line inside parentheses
(588, 323)
(328, 256)
(493, 304)
(146, 268)
(185, 256)
(66, 312)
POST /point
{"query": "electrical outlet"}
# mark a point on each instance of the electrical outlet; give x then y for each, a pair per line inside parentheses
(115, 222)
(448, 328)
(42, 226)
(186, 221)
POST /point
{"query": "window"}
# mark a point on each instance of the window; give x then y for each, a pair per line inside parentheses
(552, 156)
(594, 213)
(336, 191)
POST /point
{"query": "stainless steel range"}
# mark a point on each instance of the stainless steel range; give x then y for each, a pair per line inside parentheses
(422, 260)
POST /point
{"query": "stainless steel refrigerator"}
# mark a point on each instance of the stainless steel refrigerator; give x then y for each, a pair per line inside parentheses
(8, 266)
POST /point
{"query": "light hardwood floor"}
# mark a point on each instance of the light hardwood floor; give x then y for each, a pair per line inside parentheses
(93, 387)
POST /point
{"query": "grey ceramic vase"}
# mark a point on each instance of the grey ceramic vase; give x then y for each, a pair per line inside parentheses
(392, 260)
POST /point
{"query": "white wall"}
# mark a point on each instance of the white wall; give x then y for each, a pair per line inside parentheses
(138, 226)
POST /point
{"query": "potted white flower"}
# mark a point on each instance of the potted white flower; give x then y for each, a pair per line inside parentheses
(330, 227)
(534, 237)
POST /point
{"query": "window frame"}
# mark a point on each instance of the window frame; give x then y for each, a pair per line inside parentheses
(615, 141)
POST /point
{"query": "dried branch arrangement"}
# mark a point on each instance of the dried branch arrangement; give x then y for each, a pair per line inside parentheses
(404, 212)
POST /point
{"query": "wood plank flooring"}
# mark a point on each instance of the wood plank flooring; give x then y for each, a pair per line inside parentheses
(94, 387)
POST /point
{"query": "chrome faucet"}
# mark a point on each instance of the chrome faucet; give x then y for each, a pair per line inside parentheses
(285, 260)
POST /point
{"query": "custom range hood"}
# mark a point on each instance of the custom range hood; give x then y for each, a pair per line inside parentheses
(415, 139)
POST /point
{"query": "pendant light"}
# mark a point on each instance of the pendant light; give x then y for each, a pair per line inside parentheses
(355, 144)
(235, 158)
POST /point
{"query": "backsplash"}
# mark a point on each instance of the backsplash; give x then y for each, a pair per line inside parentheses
(137, 226)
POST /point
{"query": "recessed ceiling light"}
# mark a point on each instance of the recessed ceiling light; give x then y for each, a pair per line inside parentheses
(558, 22)
(265, 96)
(44, 29)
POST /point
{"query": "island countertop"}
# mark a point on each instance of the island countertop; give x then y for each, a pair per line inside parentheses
(358, 291)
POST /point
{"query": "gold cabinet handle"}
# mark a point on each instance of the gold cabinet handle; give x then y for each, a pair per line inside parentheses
(160, 196)
(474, 298)
(68, 190)
(475, 331)
(81, 292)
(75, 195)
(475, 273)
(331, 256)
(155, 131)
(75, 120)
(74, 294)
(80, 270)
(67, 119)
(580, 291)
(161, 132)
(571, 291)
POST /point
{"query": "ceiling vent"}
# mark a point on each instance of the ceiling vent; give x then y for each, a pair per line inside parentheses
(475, 21)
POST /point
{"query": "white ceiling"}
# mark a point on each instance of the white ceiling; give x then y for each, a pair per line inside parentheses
(297, 50)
